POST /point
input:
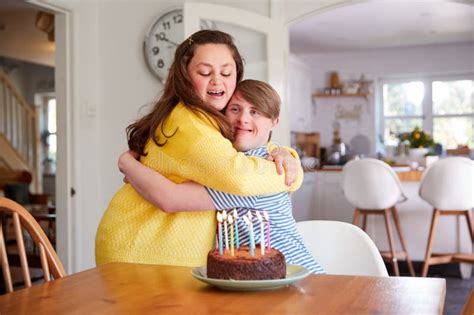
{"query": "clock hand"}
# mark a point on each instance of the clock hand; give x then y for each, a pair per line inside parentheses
(171, 42)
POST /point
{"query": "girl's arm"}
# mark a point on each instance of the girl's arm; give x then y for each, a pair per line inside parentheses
(160, 191)
(171, 197)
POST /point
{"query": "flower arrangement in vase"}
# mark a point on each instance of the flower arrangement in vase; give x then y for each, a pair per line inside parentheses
(419, 142)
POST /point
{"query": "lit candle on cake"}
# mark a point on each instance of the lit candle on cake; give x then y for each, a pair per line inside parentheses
(249, 215)
(262, 235)
(236, 218)
(230, 219)
(267, 218)
(224, 218)
(219, 231)
(249, 223)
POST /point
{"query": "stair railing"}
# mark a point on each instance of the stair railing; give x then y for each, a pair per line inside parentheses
(19, 122)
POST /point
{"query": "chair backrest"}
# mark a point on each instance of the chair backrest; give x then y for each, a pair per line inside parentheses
(23, 220)
(342, 248)
(371, 184)
(448, 184)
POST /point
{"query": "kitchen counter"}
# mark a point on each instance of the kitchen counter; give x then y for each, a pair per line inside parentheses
(404, 172)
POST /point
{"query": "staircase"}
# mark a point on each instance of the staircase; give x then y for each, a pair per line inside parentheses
(19, 132)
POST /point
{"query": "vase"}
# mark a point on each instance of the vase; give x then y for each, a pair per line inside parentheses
(418, 155)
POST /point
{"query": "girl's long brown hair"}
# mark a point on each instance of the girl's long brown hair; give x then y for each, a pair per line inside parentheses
(178, 87)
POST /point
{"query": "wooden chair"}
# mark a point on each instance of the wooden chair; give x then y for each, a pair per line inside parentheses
(448, 187)
(374, 189)
(50, 261)
(15, 185)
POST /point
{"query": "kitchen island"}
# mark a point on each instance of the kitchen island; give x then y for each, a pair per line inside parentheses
(321, 198)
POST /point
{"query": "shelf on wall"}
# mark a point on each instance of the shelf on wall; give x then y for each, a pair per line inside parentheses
(341, 95)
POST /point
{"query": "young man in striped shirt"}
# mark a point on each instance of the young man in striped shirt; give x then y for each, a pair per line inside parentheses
(253, 112)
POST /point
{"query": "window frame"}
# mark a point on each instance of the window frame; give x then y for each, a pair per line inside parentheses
(427, 116)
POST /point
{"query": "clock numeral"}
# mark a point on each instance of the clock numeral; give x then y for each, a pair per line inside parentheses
(160, 63)
(166, 25)
(160, 36)
(155, 50)
(178, 18)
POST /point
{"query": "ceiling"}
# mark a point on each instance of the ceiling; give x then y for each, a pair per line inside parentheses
(384, 24)
(20, 39)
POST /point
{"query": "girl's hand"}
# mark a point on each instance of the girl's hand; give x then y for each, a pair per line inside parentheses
(125, 161)
(284, 162)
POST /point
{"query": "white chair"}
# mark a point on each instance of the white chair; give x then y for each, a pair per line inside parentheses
(374, 189)
(448, 186)
(342, 248)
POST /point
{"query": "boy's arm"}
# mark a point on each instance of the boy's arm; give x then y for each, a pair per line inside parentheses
(162, 192)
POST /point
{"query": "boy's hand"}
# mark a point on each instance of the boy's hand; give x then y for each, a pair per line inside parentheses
(284, 162)
(127, 159)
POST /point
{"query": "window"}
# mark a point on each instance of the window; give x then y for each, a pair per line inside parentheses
(444, 107)
(51, 129)
(47, 128)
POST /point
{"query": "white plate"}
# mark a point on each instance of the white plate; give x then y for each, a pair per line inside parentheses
(293, 273)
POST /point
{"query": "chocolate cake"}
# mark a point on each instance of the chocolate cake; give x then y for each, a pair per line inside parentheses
(242, 266)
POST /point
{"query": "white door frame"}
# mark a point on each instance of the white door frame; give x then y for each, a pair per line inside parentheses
(65, 169)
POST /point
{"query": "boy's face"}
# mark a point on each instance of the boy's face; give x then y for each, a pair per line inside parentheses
(251, 127)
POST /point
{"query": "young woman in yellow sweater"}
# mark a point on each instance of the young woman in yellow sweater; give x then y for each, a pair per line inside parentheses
(185, 137)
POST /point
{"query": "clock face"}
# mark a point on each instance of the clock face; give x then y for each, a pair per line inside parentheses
(161, 41)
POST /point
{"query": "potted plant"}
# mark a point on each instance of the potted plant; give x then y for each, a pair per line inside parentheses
(419, 143)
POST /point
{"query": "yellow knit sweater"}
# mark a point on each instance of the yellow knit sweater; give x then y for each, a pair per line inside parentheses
(133, 230)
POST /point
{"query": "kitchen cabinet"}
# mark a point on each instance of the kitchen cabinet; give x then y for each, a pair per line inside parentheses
(304, 199)
(330, 201)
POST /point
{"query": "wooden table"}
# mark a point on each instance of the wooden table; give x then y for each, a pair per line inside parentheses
(121, 288)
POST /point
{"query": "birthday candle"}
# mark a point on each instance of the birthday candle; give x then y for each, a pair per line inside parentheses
(224, 219)
(236, 229)
(249, 215)
(267, 218)
(231, 220)
(249, 223)
(262, 235)
(219, 228)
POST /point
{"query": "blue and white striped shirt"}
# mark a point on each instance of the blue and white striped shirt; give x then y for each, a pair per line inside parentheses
(283, 233)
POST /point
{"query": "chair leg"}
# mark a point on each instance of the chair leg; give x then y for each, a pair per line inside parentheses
(429, 247)
(355, 221)
(470, 224)
(364, 222)
(386, 214)
(402, 240)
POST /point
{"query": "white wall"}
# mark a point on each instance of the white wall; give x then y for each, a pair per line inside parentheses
(299, 95)
(375, 64)
(109, 84)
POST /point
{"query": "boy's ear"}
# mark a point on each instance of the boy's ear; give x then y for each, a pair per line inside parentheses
(275, 122)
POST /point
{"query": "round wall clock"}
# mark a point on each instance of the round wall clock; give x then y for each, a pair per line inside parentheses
(162, 39)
